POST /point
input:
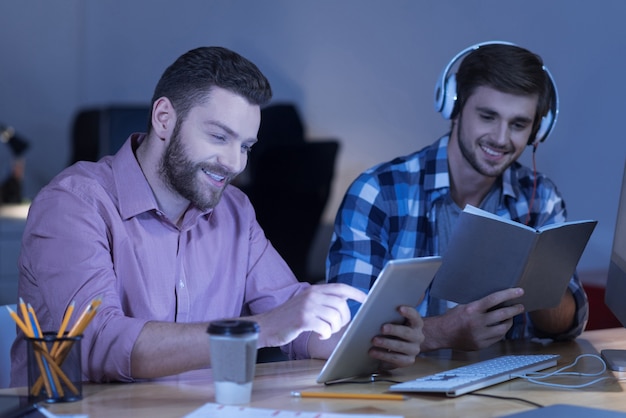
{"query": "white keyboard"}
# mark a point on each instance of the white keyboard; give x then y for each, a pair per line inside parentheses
(479, 375)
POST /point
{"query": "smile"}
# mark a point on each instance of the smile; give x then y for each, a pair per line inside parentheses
(491, 151)
(214, 177)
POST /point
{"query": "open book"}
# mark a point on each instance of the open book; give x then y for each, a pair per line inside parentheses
(487, 253)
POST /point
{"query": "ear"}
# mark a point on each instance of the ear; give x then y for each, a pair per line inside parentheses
(163, 118)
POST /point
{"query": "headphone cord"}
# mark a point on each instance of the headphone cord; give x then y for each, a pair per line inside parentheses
(532, 197)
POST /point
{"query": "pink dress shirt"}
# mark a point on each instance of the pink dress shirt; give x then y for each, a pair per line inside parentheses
(96, 231)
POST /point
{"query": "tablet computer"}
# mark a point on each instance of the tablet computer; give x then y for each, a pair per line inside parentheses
(400, 282)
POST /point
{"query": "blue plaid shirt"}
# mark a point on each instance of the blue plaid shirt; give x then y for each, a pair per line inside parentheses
(389, 212)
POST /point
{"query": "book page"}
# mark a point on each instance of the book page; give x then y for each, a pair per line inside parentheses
(480, 212)
(555, 226)
(488, 253)
(484, 255)
(477, 211)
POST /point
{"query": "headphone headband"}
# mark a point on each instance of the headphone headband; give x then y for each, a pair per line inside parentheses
(446, 93)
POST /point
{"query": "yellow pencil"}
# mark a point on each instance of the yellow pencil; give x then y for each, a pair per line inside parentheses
(79, 327)
(85, 317)
(57, 389)
(60, 373)
(34, 332)
(34, 322)
(66, 320)
(18, 321)
(94, 309)
(338, 395)
(28, 332)
(42, 375)
(26, 319)
(56, 351)
(62, 350)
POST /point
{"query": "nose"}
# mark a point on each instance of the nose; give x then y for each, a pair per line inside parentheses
(232, 159)
(502, 132)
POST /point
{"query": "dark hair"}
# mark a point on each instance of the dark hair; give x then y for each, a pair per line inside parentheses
(509, 69)
(188, 81)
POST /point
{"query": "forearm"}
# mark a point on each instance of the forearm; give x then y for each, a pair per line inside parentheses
(165, 349)
(435, 335)
(556, 320)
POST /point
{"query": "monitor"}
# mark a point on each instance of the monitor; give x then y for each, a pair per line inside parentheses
(615, 294)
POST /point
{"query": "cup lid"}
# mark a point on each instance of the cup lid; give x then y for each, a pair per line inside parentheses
(232, 327)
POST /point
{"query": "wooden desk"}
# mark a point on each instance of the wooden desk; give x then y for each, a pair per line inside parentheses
(180, 395)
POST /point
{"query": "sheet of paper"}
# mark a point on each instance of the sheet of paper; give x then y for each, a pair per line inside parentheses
(214, 410)
(49, 414)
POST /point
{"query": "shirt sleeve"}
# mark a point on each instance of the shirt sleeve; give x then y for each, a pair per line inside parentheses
(360, 244)
(66, 257)
(270, 284)
(582, 310)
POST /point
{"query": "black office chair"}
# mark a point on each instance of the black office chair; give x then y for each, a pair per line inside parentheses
(289, 182)
(100, 131)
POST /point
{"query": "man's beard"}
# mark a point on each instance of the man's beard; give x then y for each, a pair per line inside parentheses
(180, 174)
(471, 157)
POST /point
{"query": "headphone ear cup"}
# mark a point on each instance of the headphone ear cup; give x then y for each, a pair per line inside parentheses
(449, 97)
(439, 93)
(544, 128)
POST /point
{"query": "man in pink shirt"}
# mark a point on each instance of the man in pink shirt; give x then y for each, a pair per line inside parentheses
(157, 233)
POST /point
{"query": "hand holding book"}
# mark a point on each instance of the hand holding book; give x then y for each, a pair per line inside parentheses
(487, 253)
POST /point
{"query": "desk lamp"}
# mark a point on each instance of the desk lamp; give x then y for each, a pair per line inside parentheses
(11, 187)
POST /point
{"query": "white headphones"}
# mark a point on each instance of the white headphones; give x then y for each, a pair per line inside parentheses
(446, 94)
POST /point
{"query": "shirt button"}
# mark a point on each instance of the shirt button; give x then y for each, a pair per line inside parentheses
(181, 284)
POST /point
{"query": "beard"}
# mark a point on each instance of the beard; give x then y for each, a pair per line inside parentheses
(485, 168)
(182, 175)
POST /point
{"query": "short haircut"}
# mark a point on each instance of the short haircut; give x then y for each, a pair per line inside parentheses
(188, 81)
(506, 68)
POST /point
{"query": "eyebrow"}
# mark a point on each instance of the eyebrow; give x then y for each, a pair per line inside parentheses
(493, 112)
(220, 125)
(229, 131)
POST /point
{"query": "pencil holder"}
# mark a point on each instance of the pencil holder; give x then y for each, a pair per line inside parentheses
(54, 368)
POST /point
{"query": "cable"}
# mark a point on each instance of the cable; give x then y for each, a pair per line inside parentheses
(532, 197)
(536, 376)
(507, 398)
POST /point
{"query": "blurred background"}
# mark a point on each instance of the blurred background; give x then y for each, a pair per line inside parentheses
(360, 71)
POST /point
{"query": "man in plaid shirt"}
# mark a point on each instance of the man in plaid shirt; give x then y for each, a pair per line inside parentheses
(407, 207)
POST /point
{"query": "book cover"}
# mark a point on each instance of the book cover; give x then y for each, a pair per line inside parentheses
(487, 253)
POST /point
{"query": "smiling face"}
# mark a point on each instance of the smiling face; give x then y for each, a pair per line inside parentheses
(492, 129)
(209, 148)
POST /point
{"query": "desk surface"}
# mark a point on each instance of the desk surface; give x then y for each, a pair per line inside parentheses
(180, 395)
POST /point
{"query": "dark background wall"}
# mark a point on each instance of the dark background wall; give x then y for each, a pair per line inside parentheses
(359, 70)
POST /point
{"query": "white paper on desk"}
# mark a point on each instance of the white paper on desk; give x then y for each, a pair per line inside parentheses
(49, 414)
(214, 410)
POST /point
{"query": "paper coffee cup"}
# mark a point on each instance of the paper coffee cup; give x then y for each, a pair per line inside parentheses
(233, 347)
